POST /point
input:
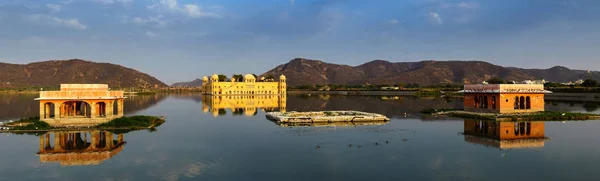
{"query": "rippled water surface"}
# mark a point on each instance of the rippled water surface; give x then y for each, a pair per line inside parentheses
(200, 141)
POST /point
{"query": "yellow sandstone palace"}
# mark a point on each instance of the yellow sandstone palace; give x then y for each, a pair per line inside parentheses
(248, 85)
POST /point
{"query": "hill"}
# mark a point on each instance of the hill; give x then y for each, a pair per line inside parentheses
(193, 83)
(300, 71)
(53, 73)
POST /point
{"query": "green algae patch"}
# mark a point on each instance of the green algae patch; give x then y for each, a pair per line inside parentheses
(133, 122)
(536, 116)
(34, 125)
(31, 123)
(550, 116)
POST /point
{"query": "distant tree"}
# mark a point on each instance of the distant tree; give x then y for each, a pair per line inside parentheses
(590, 106)
(222, 78)
(237, 77)
(496, 80)
(413, 85)
(553, 84)
(269, 78)
(255, 76)
(590, 83)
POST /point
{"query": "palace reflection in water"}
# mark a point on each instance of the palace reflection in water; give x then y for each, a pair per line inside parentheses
(505, 135)
(73, 148)
(243, 104)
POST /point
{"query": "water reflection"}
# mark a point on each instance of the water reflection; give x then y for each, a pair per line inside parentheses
(76, 148)
(390, 106)
(505, 135)
(331, 124)
(247, 105)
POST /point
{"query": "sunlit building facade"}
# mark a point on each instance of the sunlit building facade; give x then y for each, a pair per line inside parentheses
(248, 86)
(247, 105)
(504, 98)
(80, 105)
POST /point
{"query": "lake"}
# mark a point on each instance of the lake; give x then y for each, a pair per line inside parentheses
(203, 140)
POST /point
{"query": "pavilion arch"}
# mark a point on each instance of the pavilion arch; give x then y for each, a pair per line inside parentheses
(528, 102)
(49, 110)
(100, 109)
(116, 107)
(75, 109)
(516, 102)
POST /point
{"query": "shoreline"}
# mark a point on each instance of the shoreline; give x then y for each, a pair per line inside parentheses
(133, 123)
(538, 116)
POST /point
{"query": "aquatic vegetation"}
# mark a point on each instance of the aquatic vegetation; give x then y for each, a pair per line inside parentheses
(536, 116)
(434, 110)
(133, 122)
(31, 123)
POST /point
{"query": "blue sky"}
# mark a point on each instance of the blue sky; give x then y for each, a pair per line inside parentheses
(179, 40)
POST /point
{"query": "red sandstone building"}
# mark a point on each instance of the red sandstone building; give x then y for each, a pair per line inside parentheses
(504, 98)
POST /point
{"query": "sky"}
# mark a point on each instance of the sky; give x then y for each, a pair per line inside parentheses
(180, 40)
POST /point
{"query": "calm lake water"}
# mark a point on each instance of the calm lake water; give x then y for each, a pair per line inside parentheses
(197, 145)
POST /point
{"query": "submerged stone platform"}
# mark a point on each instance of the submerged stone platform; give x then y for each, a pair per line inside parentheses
(325, 117)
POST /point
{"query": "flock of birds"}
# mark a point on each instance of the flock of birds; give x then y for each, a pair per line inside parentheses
(359, 146)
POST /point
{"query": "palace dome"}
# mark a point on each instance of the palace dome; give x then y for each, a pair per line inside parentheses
(282, 77)
(215, 76)
(249, 77)
(205, 78)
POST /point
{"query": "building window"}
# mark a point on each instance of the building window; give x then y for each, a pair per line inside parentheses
(522, 103)
(493, 102)
(528, 102)
(516, 102)
(485, 102)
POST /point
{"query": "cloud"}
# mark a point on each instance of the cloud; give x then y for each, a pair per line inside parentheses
(56, 21)
(195, 11)
(53, 7)
(70, 23)
(190, 10)
(394, 21)
(151, 34)
(468, 5)
(159, 20)
(112, 1)
(66, 1)
(292, 2)
(435, 18)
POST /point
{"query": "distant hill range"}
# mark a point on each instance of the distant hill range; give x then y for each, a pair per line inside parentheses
(55, 72)
(301, 71)
(193, 83)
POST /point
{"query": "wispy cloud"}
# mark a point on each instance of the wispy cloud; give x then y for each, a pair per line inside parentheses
(394, 21)
(151, 34)
(468, 5)
(56, 21)
(159, 20)
(112, 1)
(292, 2)
(435, 18)
(53, 7)
(190, 10)
(66, 1)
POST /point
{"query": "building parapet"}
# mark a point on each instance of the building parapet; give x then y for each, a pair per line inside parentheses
(504, 88)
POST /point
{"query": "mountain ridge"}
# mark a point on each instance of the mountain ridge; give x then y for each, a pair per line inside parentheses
(52, 73)
(302, 71)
